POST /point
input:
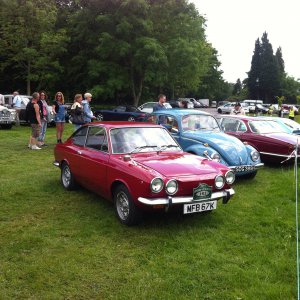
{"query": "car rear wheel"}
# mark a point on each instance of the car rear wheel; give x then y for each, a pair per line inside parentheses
(131, 119)
(99, 117)
(127, 212)
(67, 178)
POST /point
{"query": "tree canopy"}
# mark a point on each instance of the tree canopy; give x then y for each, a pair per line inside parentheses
(117, 49)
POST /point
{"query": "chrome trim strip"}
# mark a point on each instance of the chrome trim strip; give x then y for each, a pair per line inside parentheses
(278, 155)
(184, 200)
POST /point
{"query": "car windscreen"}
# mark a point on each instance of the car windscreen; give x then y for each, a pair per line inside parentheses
(265, 127)
(141, 139)
(199, 122)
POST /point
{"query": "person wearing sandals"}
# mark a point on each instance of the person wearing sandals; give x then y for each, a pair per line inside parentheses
(58, 108)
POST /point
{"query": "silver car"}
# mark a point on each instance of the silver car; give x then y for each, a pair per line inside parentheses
(226, 108)
(7, 117)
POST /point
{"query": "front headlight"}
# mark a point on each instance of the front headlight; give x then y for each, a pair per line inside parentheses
(156, 185)
(254, 155)
(216, 157)
(230, 177)
(219, 181)
(172, 187)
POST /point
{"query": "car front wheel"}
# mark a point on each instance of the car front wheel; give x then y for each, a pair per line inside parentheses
(127, 212)
(67, 178)
(219, 110)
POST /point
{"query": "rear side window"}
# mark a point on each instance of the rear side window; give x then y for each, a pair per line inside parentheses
(79, 136)
(230, 125)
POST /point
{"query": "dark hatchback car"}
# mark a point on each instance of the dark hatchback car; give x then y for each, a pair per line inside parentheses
(120, 113)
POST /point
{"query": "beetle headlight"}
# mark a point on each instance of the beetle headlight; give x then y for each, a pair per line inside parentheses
(216, 157)
(172, 187)
(156, 185)
(219, 181)
(230, 177)
(254, 155)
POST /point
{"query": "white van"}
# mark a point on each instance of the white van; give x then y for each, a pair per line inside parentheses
(252, 104)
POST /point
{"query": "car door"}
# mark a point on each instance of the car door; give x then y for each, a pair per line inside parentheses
(95, 157)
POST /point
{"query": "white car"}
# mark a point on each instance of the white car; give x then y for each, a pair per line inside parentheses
(148, 107)
(7, 117)
(226, 108)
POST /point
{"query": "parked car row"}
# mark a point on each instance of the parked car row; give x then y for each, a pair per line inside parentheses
(175, 158)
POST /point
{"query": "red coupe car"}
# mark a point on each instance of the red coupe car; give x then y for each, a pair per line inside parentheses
(139, 166)
(265, 135)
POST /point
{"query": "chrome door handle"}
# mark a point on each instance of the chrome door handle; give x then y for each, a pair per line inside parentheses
(79, 152)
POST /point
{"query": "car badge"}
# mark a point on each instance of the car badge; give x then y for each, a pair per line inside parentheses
(203, 191)
(205, 144)
(241, 161)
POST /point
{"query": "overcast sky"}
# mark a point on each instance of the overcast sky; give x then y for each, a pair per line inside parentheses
(234, 25)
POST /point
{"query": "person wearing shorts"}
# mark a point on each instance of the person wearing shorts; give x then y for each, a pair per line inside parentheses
(59, 110)
(34, 118)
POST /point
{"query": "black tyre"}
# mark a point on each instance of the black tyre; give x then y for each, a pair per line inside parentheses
(99, 117)
(127, 212)
(219, 110)
(67, 178)
(131, 119)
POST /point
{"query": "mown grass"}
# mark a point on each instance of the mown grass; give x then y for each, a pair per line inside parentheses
(56, 244)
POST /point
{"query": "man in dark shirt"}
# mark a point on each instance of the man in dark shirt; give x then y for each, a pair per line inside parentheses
(160, 105)
(34, 118)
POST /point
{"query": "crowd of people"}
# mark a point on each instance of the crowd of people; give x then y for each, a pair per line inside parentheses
(37, 115)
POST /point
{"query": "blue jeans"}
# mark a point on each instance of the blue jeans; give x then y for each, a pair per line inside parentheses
(41, 137)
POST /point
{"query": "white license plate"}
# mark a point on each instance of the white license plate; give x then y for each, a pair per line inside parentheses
(198, 207)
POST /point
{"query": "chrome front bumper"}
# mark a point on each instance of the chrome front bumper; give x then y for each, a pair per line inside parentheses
(225, 195)
(245, 168)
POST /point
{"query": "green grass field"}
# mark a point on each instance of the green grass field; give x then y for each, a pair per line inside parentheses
(56, 244)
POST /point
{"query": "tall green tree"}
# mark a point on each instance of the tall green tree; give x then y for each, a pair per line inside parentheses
(264, 78)
(29, 45)
(237, 88)
(134, 45)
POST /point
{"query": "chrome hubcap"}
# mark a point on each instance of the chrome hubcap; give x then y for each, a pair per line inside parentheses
(66, 176)
(122, 204)
(99, 117)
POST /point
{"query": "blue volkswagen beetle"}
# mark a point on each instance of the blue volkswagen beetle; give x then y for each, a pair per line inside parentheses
(198, 132)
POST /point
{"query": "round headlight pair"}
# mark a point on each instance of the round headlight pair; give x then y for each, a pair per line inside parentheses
(157, 185)
(220, 180)
(254, 155)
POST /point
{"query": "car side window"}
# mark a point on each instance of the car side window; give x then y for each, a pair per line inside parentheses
(79, 136)
(241, 127)
(169, 122)
(97, 139)
(230, 125)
